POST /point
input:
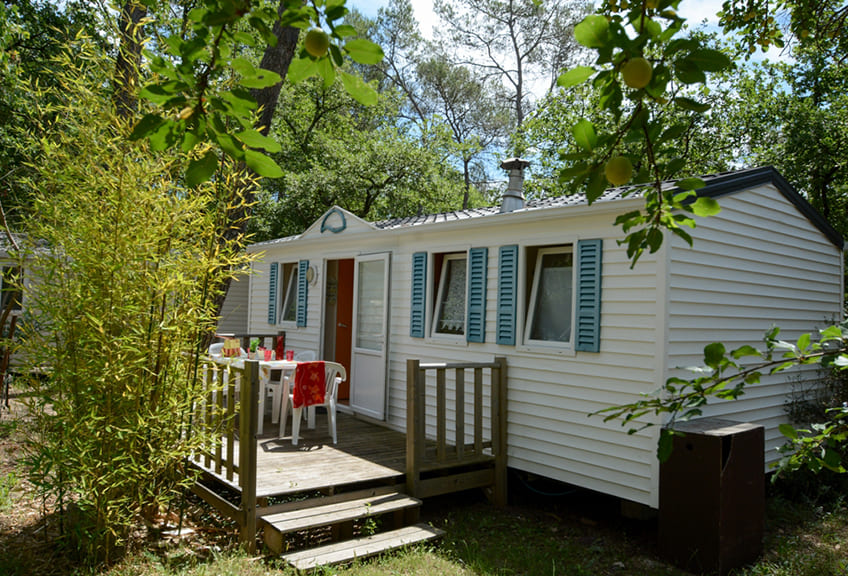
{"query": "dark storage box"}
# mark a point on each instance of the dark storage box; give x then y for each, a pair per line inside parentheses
(712, 496)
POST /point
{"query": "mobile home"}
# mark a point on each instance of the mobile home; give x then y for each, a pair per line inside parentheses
(547, 285)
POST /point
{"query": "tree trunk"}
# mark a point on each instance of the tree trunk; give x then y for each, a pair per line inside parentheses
(128, 59)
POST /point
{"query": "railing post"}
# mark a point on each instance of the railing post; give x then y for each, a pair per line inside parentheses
(414, 425)
(499, 431)
(249, 414)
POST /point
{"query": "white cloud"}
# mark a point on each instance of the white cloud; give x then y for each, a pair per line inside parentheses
(423, 9)
(696, 11)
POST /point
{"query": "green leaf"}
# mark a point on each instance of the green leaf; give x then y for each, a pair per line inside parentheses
(705, 206)
(745, 350)
(364, 51)
(327, 71)
(575, 76)
(593, 31)
(359, 90)
(255, 139)
(691, 104)
(344, 30)
(804, 341)
(162, 137)
(243, 66)
(300, 69)
(201, 169)
(709, 60)
(261, 79)
(146, 125)
(832, 460)
(597, 185)
(262, 165)
(665, 445)
(690, 183)
(788, 430)
(713, 354)
(688, 73)
(159, 94)
(244, 38)
(585, 135)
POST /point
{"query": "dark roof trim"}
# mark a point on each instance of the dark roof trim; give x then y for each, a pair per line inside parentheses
(728, 183)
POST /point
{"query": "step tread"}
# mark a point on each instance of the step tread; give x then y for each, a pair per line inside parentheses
(363, 547)
(337, 512)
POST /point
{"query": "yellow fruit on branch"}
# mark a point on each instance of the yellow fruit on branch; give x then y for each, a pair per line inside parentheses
(316, 43)
(618, 170)
(637, 72)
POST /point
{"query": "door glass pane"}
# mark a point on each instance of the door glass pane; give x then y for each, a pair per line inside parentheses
(552, 308)
(370, 304)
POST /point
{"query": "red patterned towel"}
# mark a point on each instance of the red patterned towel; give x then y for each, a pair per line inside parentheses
(309, 385)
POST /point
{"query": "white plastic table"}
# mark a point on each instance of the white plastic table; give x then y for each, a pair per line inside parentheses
(265, 368)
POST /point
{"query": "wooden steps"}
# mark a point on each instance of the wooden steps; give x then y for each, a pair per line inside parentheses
(363, 547)
(340, 512)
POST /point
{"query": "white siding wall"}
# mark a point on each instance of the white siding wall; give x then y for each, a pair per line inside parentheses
(757, 264)
(234, 311)
(551, 394)
(297, 338)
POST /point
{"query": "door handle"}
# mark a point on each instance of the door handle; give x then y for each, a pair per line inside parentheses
(342, 325)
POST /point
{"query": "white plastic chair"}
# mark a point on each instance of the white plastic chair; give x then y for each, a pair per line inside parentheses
(334, 374)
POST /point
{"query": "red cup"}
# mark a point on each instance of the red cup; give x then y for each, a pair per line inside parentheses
(289, 354)
(268, 355)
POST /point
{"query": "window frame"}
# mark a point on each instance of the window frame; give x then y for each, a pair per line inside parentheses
(446, 258)
(288, 291)
(532, 277)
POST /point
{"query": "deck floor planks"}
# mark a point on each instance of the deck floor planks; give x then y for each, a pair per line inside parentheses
(365, 452)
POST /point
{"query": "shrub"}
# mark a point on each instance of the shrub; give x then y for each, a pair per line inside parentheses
(122, 267)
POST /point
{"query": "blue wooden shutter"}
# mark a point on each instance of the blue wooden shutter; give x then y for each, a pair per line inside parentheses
(507, 290)
(302, 290)
(418, 304)
(588, 299)
(478, 264)
(272, 293)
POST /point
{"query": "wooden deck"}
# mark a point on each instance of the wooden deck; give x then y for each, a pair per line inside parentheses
(365, 453)
(250, 481)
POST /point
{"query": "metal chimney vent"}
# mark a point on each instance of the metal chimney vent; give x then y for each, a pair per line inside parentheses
(513, 198)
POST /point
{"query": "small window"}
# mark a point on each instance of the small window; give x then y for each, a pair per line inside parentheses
(11, 288)
(549, 310)
(450, 302)
(288, 294)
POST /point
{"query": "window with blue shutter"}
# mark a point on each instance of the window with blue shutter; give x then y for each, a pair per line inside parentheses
(478, 263)
(272, 293)
(589, 253)
(302, 290)
(507, 293)
(418, 304)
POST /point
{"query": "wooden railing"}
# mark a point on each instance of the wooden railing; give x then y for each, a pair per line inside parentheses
(229, 415)
(433, 465)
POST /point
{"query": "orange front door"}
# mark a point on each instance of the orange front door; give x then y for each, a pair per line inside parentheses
(344, 322)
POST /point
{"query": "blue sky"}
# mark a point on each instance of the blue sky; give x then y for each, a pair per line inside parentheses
(694, 10)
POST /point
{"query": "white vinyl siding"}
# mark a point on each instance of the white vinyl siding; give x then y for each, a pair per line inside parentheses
(234, 311)
(758, 263)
